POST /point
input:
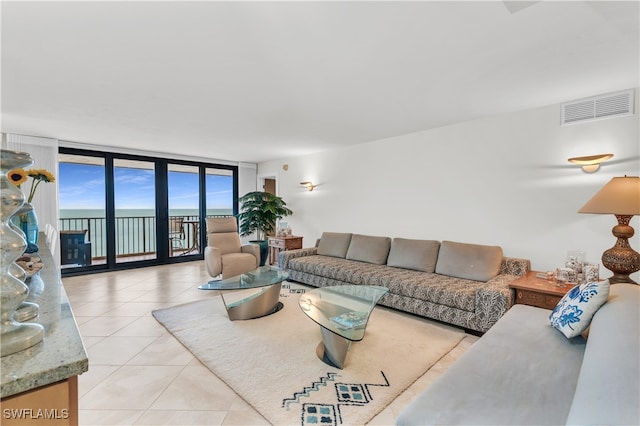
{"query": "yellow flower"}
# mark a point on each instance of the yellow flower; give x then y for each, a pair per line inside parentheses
(38, 175)
(17, 176)
(41, 174)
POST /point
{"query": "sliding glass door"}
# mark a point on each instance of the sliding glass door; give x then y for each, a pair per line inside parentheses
(135, 210)
(138, 211)
(83, 226)
(184, 209)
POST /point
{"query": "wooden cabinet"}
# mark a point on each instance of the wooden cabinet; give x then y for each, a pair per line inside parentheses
(51, 405)
(278, 244)
(534, 291)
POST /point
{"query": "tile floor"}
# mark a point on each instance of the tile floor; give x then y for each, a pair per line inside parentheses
(140, 375)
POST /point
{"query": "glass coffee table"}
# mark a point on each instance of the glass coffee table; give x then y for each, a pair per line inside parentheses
(265, 301)
(342, 312)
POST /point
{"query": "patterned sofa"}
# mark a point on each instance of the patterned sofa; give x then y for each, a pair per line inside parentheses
(462, 284)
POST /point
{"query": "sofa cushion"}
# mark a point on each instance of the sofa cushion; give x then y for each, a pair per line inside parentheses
(423, 286)
(469, 261)
(365, 248)
(439, 289)
(573, 313)
(419, 255)
(505, 378)
(608, 388)
(334, 244)
(227, 242)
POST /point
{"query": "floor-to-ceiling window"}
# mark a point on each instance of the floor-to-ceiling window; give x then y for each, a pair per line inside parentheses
(184, 209)
(134, 190)
(219, 196)
(82, 200)
(120, 211)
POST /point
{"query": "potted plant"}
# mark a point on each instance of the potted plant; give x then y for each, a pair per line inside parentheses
(258, 213)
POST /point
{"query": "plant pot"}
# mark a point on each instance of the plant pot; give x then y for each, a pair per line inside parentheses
(264, 250)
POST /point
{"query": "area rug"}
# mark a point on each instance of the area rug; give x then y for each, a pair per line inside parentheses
(271, 361)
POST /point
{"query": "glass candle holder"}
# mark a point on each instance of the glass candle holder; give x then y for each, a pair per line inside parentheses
(591, 272)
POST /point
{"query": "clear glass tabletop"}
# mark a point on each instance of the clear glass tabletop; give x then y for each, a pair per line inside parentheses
(343, 310)
(262, 277)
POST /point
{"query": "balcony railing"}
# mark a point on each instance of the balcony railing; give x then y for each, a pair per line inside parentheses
(135, 235)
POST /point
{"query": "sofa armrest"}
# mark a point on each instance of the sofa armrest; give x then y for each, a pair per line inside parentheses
(253, 249)
(493, 300)
(608, 389)
(515, 266)
(213, 260)
(285, 256)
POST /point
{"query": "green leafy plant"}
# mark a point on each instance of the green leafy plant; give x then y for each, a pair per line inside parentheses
(259, 212)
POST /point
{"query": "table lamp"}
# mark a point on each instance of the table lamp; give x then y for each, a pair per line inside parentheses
(620, 197)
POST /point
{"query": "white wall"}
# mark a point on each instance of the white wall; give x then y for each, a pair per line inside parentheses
(44, 152)
(246, 178)
(501, 180)
(247, 182)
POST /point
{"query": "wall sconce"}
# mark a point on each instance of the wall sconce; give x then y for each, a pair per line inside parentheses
(590, 163)
(308, 185)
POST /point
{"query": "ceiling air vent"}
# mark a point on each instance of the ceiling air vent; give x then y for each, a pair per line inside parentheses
(618, 104)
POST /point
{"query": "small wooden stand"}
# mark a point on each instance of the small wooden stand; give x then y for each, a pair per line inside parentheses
(534, 291)
(278, 244)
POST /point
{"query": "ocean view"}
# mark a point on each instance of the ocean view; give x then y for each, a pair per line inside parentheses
(135, 228)
(98, 213)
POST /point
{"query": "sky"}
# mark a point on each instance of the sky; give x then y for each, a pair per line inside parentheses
(82, 186)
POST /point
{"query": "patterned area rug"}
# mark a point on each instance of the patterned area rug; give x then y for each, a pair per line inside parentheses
(271, 362)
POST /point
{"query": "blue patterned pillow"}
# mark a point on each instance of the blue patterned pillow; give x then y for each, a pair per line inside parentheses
(572, 315)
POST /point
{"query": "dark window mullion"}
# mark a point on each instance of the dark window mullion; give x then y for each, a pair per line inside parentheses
(110, 211)
(162, 211)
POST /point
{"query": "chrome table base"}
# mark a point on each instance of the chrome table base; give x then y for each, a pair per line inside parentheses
(333, 349)
(265, 302)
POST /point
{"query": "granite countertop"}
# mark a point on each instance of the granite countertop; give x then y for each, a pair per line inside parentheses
(61, 354)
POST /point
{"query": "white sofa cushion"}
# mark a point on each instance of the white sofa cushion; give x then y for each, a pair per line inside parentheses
(334, 244)
(573, 313)
(419, 255)
(365, 248)
(469, 261)
(511, 376)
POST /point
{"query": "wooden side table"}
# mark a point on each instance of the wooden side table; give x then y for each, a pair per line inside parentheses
(534, 291)
(278, 244)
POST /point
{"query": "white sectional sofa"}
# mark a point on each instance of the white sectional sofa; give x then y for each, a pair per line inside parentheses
(525, 372)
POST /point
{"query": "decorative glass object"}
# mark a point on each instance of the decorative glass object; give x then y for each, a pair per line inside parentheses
(565, 275)
(591, 272)
(575, 260)
(14, 336)
(283, 230)
(25, 219)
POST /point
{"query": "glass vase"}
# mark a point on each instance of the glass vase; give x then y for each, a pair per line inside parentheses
(14, 336)
(27, 221)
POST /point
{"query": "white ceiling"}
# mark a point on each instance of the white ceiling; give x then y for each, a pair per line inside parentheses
(253, 81)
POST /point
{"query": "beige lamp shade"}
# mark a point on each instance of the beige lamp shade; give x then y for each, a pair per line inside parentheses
(621, 196)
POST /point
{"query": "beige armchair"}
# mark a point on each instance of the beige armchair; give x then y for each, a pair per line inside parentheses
(224, 253)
